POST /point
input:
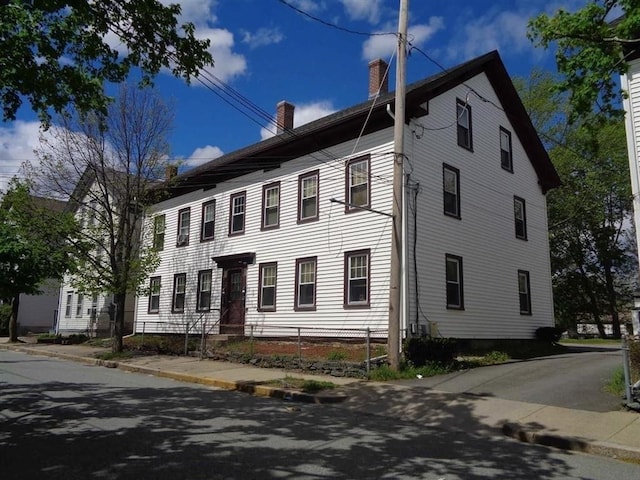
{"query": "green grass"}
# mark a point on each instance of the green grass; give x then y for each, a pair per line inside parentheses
(616, 383)
(307, 386)
(385, 373)
(114, 355)
(336, 355)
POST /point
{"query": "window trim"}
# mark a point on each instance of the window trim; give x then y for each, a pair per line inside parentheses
(522, 201)
(525, 274)
(261, 268)
(455, 171)
(203, 222)
(79, 302)
(299, 262)
(232, 197)
(509, 167)
(349, 205)
(301, 179)
(173, 298)
(180, 213)
(159, 246)
(265, 188)
(152, 295)
(465, 105)
(460, 281)
(68, 308)
(199, 292)
(347, 271)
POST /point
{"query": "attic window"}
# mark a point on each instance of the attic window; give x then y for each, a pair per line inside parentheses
(463, 115)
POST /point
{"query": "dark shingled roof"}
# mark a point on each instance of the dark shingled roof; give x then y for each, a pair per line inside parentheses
(347, 124)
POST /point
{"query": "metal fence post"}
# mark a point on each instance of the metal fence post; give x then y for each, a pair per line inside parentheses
(625, 366)
(368, 350)
(251, 339)
(144, 324)
(186, 339)
(299, 346)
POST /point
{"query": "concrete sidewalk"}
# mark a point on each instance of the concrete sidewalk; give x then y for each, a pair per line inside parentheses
(614, 434)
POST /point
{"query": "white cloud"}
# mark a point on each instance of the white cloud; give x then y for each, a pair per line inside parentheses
(262, 37)
(382, 46)
(303, 113)
(227, 64)
(203, 155)
(368, 10)
(504, 31)
(18, 140)
(309, 6)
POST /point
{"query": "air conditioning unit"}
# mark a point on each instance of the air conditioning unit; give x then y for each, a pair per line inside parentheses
(183, 239)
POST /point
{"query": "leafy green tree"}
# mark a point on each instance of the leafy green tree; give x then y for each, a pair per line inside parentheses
(591, 50)
(107, 167)
(55, 53)
(33, 246)
(590, 214)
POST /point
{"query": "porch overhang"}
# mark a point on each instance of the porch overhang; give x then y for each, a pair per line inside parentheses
(235, 260)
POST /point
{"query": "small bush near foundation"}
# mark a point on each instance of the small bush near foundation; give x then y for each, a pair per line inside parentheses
(634, 356)
(549, 334)
(418, 351)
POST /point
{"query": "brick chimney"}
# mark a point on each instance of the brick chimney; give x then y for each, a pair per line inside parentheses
(377, 79)
(170, 171)
(284, 117)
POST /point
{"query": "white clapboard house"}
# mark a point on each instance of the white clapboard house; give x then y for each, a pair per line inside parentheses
(295, 231)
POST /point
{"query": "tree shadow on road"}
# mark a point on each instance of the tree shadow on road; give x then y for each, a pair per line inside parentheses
(88, 430)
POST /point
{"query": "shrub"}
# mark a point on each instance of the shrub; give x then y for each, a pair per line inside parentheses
(5, 315)
(549, 334)
(420, 350)
(336, 355)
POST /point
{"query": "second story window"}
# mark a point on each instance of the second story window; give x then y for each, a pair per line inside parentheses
(506, 154)
(455, 298)
(463, 114)
(208, 220)
(308, 197)
(184, 224)
(158, 232)
(271, 205)
(451, 191)
(79, 305)
(237, 213)
(520, 216)
(358, 181)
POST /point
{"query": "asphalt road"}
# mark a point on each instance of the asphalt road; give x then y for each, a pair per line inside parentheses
(69, 421)
(573, 380)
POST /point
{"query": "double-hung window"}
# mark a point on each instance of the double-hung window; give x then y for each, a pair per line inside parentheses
(69, 305)
(184, 224)
(267, 290)
(204, 291)
(154, 295)
(463, 114)
(506, 152)
(451, 190)
(159, 224)
(358, 183)
(237, 205)
(271, 205)
(179, 290)
(305, 295)
(520, 217)
(79, 305)
(524, 292)
(356, 265)
(455, 294)
(308, 196)
(208, 221)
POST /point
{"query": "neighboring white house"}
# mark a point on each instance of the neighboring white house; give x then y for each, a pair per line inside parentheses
(295, 231)
(78, 311)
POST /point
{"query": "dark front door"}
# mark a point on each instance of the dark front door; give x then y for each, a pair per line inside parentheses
(233, 290)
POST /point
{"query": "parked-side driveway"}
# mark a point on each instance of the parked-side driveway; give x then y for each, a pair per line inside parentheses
(572, 380)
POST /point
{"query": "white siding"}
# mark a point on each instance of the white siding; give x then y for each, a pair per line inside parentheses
(328, 238)
(485, 235)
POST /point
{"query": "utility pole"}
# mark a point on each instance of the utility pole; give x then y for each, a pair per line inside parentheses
(393, 347)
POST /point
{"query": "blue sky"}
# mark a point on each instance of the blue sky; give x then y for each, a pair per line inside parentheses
(267, 52)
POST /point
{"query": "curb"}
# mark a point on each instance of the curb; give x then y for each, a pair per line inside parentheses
(603, 449)
(252, 388)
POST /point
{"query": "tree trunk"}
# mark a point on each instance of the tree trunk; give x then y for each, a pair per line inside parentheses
(118, 325)
(593, 301)
(13, 320)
